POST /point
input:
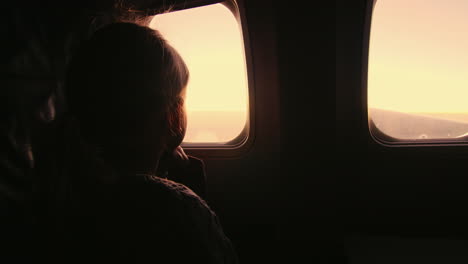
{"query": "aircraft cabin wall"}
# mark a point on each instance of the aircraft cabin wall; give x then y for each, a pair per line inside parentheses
(403, 204)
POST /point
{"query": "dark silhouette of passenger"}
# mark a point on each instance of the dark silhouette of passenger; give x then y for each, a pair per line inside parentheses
(124, 123)
(29, 56)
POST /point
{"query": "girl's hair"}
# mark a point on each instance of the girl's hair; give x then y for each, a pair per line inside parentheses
(124, 79)
(123, 88)
(125, 76)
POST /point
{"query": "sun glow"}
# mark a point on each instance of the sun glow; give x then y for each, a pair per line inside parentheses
(418, 56)
(418, 68)
(210, 41)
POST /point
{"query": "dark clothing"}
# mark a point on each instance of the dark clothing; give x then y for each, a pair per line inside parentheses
(92, 214)
(146, 219)
(192, 175)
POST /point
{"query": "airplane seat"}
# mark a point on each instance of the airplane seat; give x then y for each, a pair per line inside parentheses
(21, 104)
(30, 75)
(15, 174)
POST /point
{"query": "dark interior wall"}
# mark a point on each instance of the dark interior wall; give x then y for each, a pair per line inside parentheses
(398, 191)
(279, 201)
(244, 189)
(308, 225)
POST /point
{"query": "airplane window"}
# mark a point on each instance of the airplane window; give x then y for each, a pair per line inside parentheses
(418, 68)
(210, 41)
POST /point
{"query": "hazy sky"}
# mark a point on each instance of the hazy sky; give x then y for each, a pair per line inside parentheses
(209, 39)
(418, 56)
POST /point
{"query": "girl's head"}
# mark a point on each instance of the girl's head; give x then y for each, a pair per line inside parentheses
(126, 88)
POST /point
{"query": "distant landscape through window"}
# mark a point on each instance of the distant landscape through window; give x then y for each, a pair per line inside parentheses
(418, 69)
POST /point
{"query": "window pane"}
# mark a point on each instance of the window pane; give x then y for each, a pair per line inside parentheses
(418, 68)
(210, 41)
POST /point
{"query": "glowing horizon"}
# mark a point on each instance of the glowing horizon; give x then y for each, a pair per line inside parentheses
(210, 41)
(418, 56)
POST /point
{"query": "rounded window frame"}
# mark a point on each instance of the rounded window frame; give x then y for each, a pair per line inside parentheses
(241, 144)
(374, 132)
